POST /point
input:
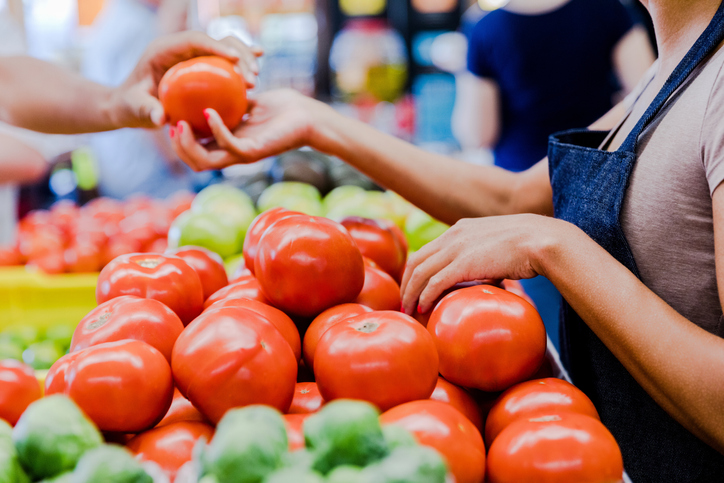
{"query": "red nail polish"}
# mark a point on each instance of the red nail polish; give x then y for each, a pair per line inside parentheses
(206, 114)
(419, 309)
(172, 132)
(402, 308)
(180, 127)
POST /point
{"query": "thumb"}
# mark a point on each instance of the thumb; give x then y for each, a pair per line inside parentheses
(147, 109)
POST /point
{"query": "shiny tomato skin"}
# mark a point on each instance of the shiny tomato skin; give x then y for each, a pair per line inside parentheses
(208, 265)
(279, 319)
(200, 83)
(51, 263)
(487, 338)
(567, 447)
(232, 357)
(441, 426)
(257, 229)
(165, 278)
(307, 399)
(18, 389)
(295, 431)
(460, 399)
(170, 446)
(179, 202)
(119, 245)
(133, 399)
(378, 241)
(129, 317)
(380, 291)
(246, 287)
(324, 321)
(181, 410)
(307, 264)
(542, 397)
(9, 256)
(385, 358)
(83, 257)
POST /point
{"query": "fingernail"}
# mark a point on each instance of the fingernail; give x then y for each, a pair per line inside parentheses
(180, 127)
(206, 114)
(419, 309)
(402, 308)
(172, 132)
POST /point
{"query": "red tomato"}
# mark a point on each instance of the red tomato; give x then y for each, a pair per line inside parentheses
(514, 286)
(167, 279)
(307, 264)
(568, 447)
(530, 399)
(458, 398)
(241, 272)
(128, 317)
(170, 446)
(232, 357)
(378, 241)
(446, 429)
(257, 229)
(50, 263)
(208, 265)
(39, 241)
(158, 246)
(191, 86)
(124, 386)
(307, 399)
(324, 321)
(295, 431)
(181, 410)
(380, 291)
(247, 288)
(139, 227)
(18, 389)
(179, 202)
(386, 358)
(487, 338)
(117, 246)
(279, 319)
(83, 257)
(10, 256)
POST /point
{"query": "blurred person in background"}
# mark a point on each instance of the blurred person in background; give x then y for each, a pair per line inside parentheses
(134, 160)
(536, 67)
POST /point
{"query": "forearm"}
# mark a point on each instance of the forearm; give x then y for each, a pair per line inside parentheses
(679, 364)
(445, 188)
(43, 97)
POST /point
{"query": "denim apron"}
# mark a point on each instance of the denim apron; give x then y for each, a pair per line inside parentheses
(589, 185)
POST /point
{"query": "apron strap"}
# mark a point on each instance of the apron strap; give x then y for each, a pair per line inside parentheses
(704, 45)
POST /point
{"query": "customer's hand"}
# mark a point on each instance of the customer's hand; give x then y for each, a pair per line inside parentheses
(135, 103)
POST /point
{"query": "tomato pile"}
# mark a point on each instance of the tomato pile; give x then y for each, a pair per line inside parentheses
(311, 329)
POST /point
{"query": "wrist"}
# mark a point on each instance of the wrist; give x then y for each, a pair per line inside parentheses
(112, 108)
(548, 244)
(325, 130)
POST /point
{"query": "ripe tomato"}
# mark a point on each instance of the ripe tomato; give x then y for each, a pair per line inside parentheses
(441, 426)
(179, 202)
(170, 446)
(208, 265)
(487, 338)
(18, 388)
(247, 288)
(50, 263)
(181, 410)
(378, 241)
(128, 317)
(530, 399)
(257, 229)
(38, 241)
(9, 256)
(307, 399)
(386, 358)
(119, 245)
(83, 257)
(124, 386)
(307, 264)
(279, 319)
(324, 321)
(200, 83)
(568, 447)
(458, 398)
(165, 278)
(158, 246)
(231, 357)
(295, 431)
(380, 291)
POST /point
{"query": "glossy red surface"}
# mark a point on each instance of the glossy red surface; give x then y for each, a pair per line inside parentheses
(257, 229)
(181, 410)
(460, 399)
(165, 278)
(246, 287)
(295, 432)
(208, 265)
(18, 389)
(324, 321)
(386, 358)
(380, 291)
(307, 399)
(378, 241)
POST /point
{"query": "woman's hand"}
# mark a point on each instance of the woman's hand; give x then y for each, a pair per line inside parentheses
(135, 103)
(476, 249)
(277, 121)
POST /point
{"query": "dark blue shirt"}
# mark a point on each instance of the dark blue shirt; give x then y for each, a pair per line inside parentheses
(554, 71)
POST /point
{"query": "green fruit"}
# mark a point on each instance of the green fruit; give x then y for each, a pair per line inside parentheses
(110, 464)
(342, 194)
(292, 195)
(208, 230)
(294, 475)
(22, 335)
(10, 469)
(10, 349)
(61, 334)
(345, 474)
(248, 445)
(421, 228)
(399, 206)
(373, 205)
(52, 435)
(233, 205)
(61, 478)
(344, 432)
(42, 355)
(301, 460)
(396, 437)
(414, 464)
(232, 264)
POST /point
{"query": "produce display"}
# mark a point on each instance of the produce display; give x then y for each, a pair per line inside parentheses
(297, 367)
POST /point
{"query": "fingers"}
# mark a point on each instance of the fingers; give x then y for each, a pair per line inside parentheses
(437, 284)
(194, 154)
(420, 274)
(247, 65)
(146, 110)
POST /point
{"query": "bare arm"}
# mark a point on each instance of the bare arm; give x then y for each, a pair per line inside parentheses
(476, 116)
(19, 163)
(632, 57)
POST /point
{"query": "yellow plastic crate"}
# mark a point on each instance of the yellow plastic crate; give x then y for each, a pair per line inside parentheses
(40, 300)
